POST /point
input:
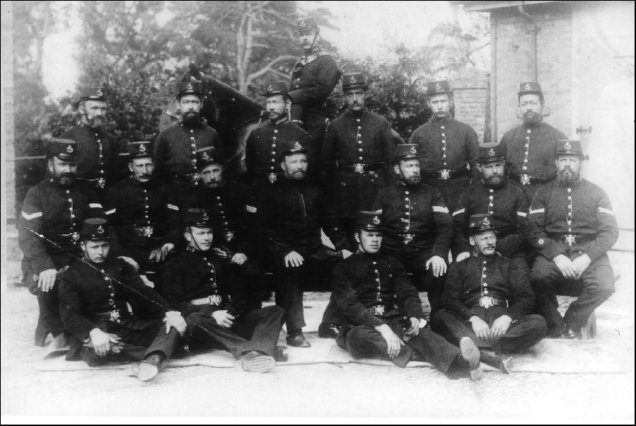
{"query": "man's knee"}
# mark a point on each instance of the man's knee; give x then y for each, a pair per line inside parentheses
(441, 319)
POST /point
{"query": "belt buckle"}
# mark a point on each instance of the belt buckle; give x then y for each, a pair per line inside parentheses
(444, 174)
(114, 316)
(147, 231)
(407, 238)
(358, 168)
(378, 309)
(525, 179)
(75, 237)
(214, 300)
(272, 177)
(486, 301)
(570, 239)
(101, 183)
(229, 236)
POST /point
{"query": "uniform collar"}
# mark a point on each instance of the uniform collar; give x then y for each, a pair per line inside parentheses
(280, 121)
(447, 119)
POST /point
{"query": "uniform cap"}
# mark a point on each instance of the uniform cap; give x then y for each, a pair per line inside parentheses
(480, 223)
(93, 94)
(490, 154)
(64, 149)
(406, 151)
(139, 149)
(208, 155)
(306, 24)
(278, 88)
(94, 229)
(369, 220)
(530, 88)
(290, 147)
(189, 88)
(354, 80)
(569, 147)
(197, 217)
(438, 88)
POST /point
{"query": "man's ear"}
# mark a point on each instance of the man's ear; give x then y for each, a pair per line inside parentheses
(357, 236)
(478, 167)
(471, 241)
(49, 165)
(282, 165)
(130, 167)
(83, 245)
(187, 235)
(396, 169)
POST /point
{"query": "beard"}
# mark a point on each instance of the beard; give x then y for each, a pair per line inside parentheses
(298, 175)
(495, 181)
(191, 117)
(275, 116)
(96, 122)
(412, 180)
(66, 179)
(531, 117)
(568, 177)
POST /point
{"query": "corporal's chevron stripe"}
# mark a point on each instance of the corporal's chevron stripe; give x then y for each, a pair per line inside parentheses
(460, 211)
(536, 211)
(31, 216)
(440, 209)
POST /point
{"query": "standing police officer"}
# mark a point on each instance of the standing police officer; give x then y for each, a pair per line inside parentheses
(176, 147)
(530, 148)
(52, 214)
(355, 155)
(418, 226)
(448, 147)
(571, 226)
(505, 203)
(312, 80)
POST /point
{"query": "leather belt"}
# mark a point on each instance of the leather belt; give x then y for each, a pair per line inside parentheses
(144, 231)
(212, 300)
(489, 301)
(445, 174)
(377, 310)
(361, 168)
(525, 179)
(113, 316)
(571, 239)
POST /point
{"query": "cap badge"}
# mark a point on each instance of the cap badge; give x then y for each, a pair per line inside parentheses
(205, 156)
(376, 220)
(100, 92)
(352, 79)
(540, 241)
(142, 148)
(189, 86)
(302, 24)
(297, 147)
(438, 86)
(69, 149)
(205, 217)
(486, 222)
(100, 229)
(491, 152)
(527, 87)
(270, 87)
(567, 146)
(413, 150)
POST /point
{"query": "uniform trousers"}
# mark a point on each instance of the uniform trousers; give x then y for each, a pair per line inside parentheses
(255, 330)
(451, 189)
(521, 335)
(49, 320)
(596, 283)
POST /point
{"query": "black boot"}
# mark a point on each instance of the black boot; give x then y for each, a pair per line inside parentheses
(496, 360)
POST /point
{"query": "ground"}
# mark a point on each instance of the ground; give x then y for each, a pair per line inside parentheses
(325, 391)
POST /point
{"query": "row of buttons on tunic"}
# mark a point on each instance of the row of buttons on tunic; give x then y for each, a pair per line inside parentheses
(114, 313)
(526, 151)
(444, 146)
(359, 139)
(407, 212)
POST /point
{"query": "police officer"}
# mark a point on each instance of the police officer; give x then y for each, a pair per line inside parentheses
(505, 203)
(233, 218)
(292, 216)
(143, 212)
(97, 149)
(176, 147)
(448, 147)
(419, 227)
(488, 298)
(197, 284)
(384, 317)
(530, 148)
(96, 294)
(312, 80)
(262, 148)
(571, 226)
(49, 226)
(355, 155)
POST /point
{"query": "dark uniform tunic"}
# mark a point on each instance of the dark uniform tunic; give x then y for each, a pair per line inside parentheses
(263, 148)
(489, 287)
(372, 290)
(530, 149)
(448, 150)
(508, 208)
(57, 213)
(145, 217)
(312, 81)
(197, 276)
(292, 216)
(355, 156)
(571, 220)
(417, 226)
(97, 298)
(97, 157)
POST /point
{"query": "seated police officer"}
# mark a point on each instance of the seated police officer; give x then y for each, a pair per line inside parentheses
(571, 226)
(197, 284)
(94, 294)
(383, 311)
(487, 297)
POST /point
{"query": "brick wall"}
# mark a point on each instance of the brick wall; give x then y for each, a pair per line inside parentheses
(471, 101)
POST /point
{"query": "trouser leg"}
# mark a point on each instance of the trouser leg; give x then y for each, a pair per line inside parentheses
(260, 328)
(521, 335)
(289, 296)
(365, 342)
(453, 328)
(204, 332)
(49, 312)
(433, 348)
(332, 314)
(423, 279)
(544, 278)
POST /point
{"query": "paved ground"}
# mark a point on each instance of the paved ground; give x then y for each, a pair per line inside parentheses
(325, 391)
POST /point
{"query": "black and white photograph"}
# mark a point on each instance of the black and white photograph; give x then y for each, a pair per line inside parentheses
(275, 212)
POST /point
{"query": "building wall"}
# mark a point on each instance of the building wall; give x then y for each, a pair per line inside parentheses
(471, 101)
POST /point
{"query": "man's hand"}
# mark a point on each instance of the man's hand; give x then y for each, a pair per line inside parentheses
(393, 342)
(461, 256)
(480, 327)
(294, 259)
(101, 341)
(565, 266)
(173, 319)
(146, 281)
(239, 258)
(345, 253)
(159, 254)
(580, 264)
(220, 252)
(414, 330)
(46, 279)
(438, 265)
(500, 326)
(223, 319)
(130, 261)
